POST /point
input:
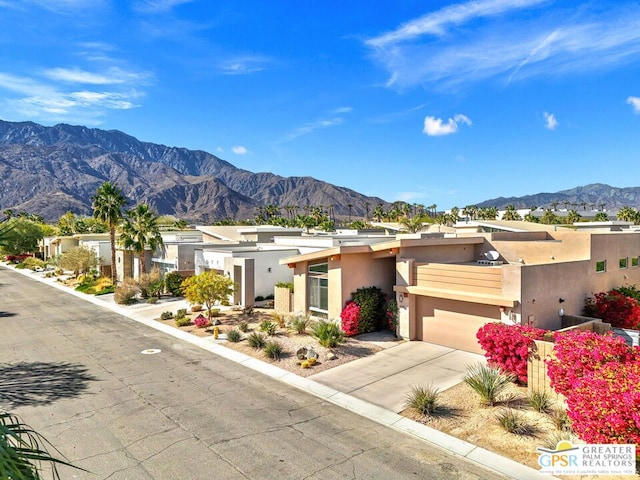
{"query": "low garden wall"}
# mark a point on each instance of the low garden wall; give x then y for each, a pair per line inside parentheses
(537, 377)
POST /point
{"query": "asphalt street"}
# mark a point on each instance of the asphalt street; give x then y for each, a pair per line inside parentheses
(78, 375)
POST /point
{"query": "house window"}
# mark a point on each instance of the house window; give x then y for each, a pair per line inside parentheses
(624, 262)
(319, 289)
(601, 266)
(634, 261)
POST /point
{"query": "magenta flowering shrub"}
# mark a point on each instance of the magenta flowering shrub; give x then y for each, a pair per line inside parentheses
(508, 346)
(604, 406)
(350, 318)
(614, 307)
(201, 321)
(577, 354)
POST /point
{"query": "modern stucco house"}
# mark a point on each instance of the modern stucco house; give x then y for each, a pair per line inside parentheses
(447, 286)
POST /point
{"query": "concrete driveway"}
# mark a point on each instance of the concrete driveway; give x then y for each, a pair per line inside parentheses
(385, 378)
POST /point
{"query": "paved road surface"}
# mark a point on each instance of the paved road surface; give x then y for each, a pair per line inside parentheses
(75, 372)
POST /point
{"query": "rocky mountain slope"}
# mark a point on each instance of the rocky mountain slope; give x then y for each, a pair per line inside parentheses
(56, 169)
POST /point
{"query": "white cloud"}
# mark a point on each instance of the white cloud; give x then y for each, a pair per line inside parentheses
(550, 121)
(343, 110)
(311, 127)
(112, 75)
(409, 196)
(239, 150)
(635, 103)
(436, 127)
(157, 6)
(506, 43)
(243, 65)
(219, 149)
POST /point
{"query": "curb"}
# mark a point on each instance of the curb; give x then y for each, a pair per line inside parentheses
(480, 456)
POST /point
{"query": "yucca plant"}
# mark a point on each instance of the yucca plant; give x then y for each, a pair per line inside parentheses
(299, 323)
(243, 326)
(328, 334)
(514, 422)
(560, 419)
(256, 340)
(489, 383)
(268, 327)
(234, 335)
(540, 401)
(23, 451)
(273, 349)
(422, 399)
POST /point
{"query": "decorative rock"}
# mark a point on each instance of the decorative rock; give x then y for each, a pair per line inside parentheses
(217, 322)
(311, 353)
(301, 353)
(331, 356)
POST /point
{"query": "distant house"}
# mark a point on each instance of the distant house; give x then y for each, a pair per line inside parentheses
(447, 286)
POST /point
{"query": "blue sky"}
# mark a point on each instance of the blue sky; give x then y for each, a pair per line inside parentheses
(428, 102)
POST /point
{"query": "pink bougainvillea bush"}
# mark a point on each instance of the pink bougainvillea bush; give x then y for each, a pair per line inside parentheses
(201, 321)
(615, 308)
(350, 318)
(508, 346)
(604, 407)
(577, 354)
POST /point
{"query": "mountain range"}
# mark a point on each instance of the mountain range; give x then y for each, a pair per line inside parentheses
(57, 169)
(52, 170)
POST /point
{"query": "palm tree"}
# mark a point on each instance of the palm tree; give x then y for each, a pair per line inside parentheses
(378, 213)
(140, 231)
(107, 207)
(412, 224)
(350, 207)
(511, 213)
(573, 217)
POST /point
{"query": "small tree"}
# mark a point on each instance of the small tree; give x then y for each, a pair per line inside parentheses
(78, 259)
(207, 288)
(20, 236)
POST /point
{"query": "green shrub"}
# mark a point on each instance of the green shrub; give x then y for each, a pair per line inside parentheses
(182, 321)
(243, 326)
(269, 297)
(268, 327)
(299, 323)
(152, 300)
(278, 318)
(256, 340)
(166, 315)
(32, 263)
(372, 309)
(196, 308)
(288, 285)
(214, 312)
(422, 399)
(151, 284)
(514, 422)
(173, 284)
(234, 335)
(273, 349)
(328, 334)
(106, 290)
(539, 401)
(489, 383)
(126, 292)
(259, 298)
(20, 266)
(182, 312)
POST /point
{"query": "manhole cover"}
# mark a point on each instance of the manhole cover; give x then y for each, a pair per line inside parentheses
(150, 351)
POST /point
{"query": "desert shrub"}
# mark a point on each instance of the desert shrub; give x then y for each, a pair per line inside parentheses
(259, 298)
(372, 308)
(234, 335)
(151, 284)
(299, 324)
(182, 312)
(269, 297)
(576, 354)
(489, 383)
(328, 334)
(614, 307)
(288, 285)
(560, 419)
(514, 422)
(126, 292)
(422, 399)
(214, 312)
(243, 326)
(508, 346)
(273, 349)
(166, 315)
(196, 308)
(32, 263)
(350, 317)
(268, 327)
(278, 318)
(539, 401)
(182, 321)
(173, 284)
(256, 340)
(201, 321)
(152, 300)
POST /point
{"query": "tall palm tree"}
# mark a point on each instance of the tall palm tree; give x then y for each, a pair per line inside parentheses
(140, 231)
(107, 207)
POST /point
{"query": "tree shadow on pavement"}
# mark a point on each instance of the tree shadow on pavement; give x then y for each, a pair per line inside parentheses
(7, 314)
(40, 383)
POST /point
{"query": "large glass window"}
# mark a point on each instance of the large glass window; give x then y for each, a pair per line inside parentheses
(319, 289)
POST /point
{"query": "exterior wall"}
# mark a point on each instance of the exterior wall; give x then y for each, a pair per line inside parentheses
(300, 303)
(124, 261)
(561, 247)
(283, 300)
(441, 253)
(101, 249)
(268, 270)
(64, 244)
(241, 271)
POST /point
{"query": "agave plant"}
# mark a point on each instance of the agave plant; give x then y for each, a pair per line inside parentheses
(23, 451)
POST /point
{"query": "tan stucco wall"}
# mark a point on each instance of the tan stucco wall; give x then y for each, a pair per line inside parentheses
(440, 253)
(562, 246)
(360, 270)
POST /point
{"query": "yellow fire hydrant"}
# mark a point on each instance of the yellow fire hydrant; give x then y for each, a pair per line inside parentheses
(216, 332)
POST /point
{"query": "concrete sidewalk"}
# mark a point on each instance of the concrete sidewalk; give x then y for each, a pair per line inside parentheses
(368, 386)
